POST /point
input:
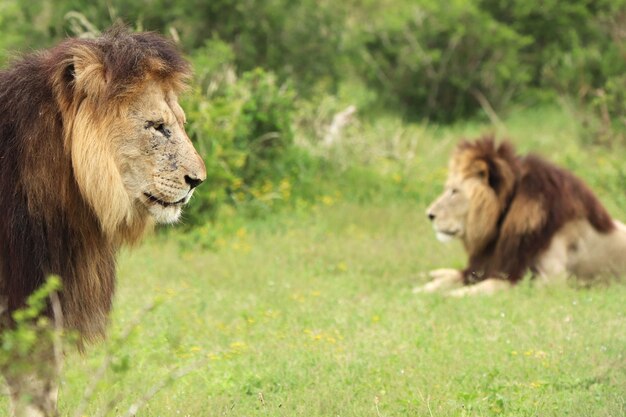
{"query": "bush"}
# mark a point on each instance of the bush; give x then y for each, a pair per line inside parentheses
(17, 27)
(426, 59)
(243, 128)
(441, 60)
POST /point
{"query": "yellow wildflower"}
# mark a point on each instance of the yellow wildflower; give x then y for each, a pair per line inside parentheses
(285, 188)
(267, 187)
(238, 346)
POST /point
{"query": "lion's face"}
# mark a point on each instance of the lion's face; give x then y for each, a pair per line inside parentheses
(134, 161)
(449, 211)
(469, 207)
(158, 164)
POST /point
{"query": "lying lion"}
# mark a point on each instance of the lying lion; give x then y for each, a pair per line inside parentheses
(519, 213)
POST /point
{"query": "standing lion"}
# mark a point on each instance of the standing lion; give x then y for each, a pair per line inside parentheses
(515, 214)
(93, 151)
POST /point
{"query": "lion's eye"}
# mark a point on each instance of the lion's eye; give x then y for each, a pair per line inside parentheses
(159, 127)
(454, 191)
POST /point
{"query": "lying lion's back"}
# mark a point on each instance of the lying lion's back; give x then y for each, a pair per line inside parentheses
(565, 197)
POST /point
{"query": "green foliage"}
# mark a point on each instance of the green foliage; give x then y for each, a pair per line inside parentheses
(31, 329)
(570, 42)
(445, 61)
(439, 59)
(20, 27)
(610, 105)
(243, 128)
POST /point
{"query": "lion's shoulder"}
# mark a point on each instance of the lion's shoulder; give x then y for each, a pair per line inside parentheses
(549, 196)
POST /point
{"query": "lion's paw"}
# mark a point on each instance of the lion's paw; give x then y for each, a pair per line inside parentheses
(486, 287)
(445, 273)
(442, 279)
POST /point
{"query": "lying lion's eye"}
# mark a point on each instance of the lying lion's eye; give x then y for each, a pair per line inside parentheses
(454, 191)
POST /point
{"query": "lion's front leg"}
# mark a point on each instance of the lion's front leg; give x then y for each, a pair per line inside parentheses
(442, 279)
(486, 287)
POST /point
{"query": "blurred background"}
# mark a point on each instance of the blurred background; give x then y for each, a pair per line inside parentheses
(278, 82)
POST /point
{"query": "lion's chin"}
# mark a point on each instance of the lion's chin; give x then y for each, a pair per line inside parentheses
(445, 237)
(164, 212)
(165, 215)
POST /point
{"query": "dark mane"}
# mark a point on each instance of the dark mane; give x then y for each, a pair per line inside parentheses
(128, 58)
(543, 199)
(489, 151)
(46, 226)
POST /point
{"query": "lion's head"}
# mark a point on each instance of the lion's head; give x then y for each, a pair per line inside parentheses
(481, 180)
(131, 157)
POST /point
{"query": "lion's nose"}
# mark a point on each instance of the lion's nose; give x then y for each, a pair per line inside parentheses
(431, 216)
(192, 181)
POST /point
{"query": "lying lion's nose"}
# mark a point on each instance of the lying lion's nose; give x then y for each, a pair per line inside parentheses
(431, 216)
(192, 181)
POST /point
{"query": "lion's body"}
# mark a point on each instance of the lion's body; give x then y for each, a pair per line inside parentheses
(83, 170)
(518, 214)
(579, 249)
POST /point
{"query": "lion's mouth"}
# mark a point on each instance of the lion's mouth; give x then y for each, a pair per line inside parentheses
(155, 200)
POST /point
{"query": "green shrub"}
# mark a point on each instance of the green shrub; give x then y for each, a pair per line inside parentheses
(606, 118)
(243, 128)
(425, 59)
(30, 333)
(440, 60)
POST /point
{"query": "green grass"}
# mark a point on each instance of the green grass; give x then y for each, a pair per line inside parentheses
(314, 313)
(310, 312)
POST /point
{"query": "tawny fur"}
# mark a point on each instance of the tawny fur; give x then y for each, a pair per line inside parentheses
(516, 214)
(92, 152)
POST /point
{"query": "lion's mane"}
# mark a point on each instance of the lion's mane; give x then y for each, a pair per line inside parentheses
(534, 200)
(63, 208)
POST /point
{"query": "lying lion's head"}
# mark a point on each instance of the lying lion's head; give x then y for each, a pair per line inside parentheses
(481, 179)
(131, 157)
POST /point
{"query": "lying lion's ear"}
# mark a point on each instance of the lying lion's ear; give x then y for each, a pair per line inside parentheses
(480, 169)
(505, 180)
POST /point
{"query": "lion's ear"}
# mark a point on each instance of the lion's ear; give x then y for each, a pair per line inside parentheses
(88, 71)
(480, 170)
(505, 177)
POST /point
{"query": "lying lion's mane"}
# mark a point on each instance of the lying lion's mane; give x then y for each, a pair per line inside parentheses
(536, 198)
(46, 224)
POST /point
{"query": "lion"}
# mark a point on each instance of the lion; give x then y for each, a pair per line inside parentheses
(518, 214)
(93, 152)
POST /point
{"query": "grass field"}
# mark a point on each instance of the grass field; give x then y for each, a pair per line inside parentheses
(310, 312)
